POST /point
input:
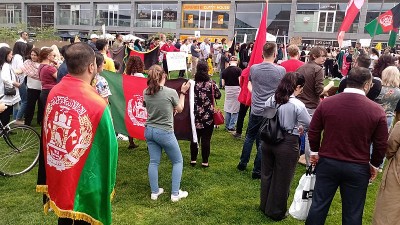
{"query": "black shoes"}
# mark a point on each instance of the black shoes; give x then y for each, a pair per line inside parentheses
(241, 167)
(255, 176)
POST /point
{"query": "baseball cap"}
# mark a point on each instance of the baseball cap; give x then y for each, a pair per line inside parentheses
(93, 36)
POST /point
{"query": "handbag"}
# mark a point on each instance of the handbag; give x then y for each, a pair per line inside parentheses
(303, 196)
(11, 91)
(218, 116)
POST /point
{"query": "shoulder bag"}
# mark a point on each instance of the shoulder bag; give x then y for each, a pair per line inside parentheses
(10, 91)
(218, 116)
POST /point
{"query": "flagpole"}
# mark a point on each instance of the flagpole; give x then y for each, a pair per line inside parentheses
(377, 23)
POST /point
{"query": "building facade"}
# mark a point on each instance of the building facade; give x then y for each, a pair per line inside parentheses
(316, 22)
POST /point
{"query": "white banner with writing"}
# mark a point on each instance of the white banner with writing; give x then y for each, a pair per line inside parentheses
(176, 61)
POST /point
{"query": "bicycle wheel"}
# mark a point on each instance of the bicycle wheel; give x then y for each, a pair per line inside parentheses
(21, 151)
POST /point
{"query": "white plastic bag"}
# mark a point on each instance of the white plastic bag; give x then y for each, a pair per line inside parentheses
(303, 196)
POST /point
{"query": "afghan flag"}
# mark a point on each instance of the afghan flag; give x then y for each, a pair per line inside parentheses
(128, 109)
(255, 58)
(385, 23)
(149, 58)
(353, 7)
(393, 37)
(79, 153)
(120, 55)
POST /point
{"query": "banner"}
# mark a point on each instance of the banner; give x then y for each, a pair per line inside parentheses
(353, 7)
(176, 61)
(385, 23)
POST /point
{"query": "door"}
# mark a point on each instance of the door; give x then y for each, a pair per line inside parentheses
(156, 18)
(326, 21)
(205, 19)
(113, 15)
(10, 14)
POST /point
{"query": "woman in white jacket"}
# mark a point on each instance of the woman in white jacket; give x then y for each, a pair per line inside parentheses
(9, 79)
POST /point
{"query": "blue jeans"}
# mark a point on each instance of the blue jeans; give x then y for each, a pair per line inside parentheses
(251, 135)
(230, 120)
(19, 114)
(158, 139)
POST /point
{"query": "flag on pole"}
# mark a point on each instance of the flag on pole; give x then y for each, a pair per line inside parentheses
(255, 58)
(353, 7)
(149, 58)
(129, 112)
(393, 37)
(386, 22)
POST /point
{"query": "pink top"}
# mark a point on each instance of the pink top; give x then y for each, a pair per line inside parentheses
(46, 76)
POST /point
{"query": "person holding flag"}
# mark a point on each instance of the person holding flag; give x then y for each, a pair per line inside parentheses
(79, 150)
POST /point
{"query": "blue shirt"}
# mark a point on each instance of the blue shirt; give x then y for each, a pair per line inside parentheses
(62, 71)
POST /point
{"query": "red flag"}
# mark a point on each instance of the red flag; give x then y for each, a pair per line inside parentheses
(255, 58)
(353, 7)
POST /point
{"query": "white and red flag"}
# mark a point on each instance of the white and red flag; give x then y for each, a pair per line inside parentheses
(353, 7)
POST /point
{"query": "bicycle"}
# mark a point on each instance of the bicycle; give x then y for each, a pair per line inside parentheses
(21, 153)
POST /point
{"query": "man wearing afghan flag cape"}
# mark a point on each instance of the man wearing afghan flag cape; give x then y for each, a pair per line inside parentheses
(79, 148)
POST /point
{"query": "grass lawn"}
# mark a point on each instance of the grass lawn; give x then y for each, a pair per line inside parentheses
(219, 194)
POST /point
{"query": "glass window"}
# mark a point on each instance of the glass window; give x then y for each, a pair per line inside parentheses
(220, 19)
(156, 15)
(113, 15)
(249, 7)
(307, 6)
(74, 14)
(247, 20)
(190, 19)
(10, 13)
(40, 15)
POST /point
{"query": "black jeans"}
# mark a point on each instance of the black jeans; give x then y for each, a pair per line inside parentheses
(352, 178)
(165, 66)
(203, 138)
(43, 99)
(33, 97)
(328, 67)
(5, 115)
(242, 114)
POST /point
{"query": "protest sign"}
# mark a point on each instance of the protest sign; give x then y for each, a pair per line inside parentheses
(176, 61)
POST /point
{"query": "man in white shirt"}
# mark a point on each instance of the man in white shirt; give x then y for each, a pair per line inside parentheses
(23, 37)
(184, 48)
(217, 54)
(205, 49)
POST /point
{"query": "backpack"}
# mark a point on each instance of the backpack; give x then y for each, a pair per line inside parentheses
(270, 130)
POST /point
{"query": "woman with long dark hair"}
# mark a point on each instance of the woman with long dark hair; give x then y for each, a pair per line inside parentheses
(384, 61)
(161, 103)
(9, 80)
(19, 52)
(243, 56)
(205, 93)
(137, 46)
(31, 69)
(278, 162)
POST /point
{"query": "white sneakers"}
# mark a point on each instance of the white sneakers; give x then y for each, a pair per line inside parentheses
(155, 196)
(174, 198)
(181, 194)
(122, 137)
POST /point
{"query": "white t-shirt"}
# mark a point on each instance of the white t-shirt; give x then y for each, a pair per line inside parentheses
(185, 48)
(7, 78)
(373, 58)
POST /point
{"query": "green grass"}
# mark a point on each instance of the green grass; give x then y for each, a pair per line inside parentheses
(219, 194)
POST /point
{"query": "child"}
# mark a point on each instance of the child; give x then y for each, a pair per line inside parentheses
(99, 82)
(210, 66)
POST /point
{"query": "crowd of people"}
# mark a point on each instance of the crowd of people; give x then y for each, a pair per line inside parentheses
(355, 123)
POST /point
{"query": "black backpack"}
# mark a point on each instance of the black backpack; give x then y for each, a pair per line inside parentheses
(270, 131)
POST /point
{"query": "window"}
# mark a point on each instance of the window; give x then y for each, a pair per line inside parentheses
(248, 19)
(74, 14)
(113, 15)
(322, 17)
(40, 15)
(10, 13)
(156, 15)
